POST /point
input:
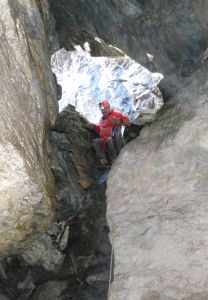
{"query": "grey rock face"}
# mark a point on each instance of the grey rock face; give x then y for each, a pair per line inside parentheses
(44, 253)
(74, 254)
(49, 25)
(28, 109)
(51, 290)
(166, 36)
(73, 164)
(157, 203)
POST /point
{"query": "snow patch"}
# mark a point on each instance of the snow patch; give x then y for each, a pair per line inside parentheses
(86, 80)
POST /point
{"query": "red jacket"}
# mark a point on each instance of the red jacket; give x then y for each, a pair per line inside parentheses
(105, 125)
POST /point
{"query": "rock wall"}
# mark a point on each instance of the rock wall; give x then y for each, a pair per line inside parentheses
(157, 210)
(28, 110)
(157, 189)
(43, 174)
(71, 260)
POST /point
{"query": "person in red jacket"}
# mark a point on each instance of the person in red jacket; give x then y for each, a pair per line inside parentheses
(111, 140)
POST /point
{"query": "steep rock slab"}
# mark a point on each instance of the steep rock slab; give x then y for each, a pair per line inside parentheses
(27, 110)
(157, 204)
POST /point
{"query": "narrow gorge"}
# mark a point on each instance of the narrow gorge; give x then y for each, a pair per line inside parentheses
(70, 230)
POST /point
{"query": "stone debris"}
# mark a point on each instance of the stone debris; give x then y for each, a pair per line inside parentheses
(62, 240)
(51, 290)
(27, 283)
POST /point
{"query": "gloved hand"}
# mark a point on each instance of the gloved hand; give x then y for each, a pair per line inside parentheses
(115, 121)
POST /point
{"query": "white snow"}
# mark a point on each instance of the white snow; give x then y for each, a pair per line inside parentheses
(86, 80)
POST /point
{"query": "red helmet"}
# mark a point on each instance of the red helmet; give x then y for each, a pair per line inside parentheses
(104, 104)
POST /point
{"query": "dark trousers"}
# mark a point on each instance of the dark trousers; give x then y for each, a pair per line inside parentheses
(113, 147)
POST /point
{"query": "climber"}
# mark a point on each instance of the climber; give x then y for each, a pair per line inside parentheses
(111, 140)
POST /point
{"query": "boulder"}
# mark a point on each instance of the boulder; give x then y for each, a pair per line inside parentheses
(157, 203)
